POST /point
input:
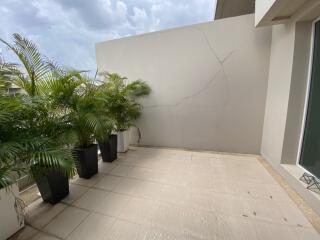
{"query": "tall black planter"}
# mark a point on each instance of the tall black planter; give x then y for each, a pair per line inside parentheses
(53, 185)
(109, 149)
(87, 161)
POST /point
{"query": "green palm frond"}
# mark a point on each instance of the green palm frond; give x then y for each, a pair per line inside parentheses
(121, 98)
(37, 67)
(137, 88)
(10, 150)
(90, 119)
(31, 134)
(44, 153)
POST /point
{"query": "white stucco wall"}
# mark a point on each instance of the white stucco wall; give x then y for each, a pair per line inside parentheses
(209, 83)
(288, 78)
(281, 61)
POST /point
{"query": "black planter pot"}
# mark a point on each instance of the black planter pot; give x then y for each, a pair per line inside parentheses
(87, 161)
(109, 149)
(53, 185)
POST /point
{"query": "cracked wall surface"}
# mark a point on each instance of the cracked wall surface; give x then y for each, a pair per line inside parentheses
(209, 83)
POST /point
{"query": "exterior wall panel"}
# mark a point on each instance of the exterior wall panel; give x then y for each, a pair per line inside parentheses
(208, 81)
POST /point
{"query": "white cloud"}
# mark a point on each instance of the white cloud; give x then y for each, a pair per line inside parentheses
(68, 29)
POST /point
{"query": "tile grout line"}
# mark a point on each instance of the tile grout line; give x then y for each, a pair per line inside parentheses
(78, 224)
(40, 230)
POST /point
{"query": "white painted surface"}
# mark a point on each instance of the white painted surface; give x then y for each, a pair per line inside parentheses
(299, 92)
(208, 83)
(123, 141)
(281, 61)
(9, 223)
(272, 12)
(261, 8)
(289, 63)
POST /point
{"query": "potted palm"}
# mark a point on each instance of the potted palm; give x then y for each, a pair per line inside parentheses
(21, 150)
(25, 136)
(76, 94)
(108, 145)
(121, 98)
(50, 156)
(107, 140)
(72, 105)
(87, 123)
(39, 129)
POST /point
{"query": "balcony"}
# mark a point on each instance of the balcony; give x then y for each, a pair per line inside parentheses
(154, 193)
(215, 144)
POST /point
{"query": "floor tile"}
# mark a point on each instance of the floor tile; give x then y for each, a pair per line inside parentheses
(201, 180)
(76, 191)
(302, 233)
(112, 204)
(204, 155)
(230, 205)
(148, 190)
(88, 182)
(172, 194)
(91, 199)
(94, 227)
(199, 224)
(25, 233)
(277, 193)
(263, 209)
(143, 173)
(108, 182)
(162, 194)
(236, 228)
(40, 213)
(63, 224)
(175, 177)
(121, 170)
(127, 186)
(105, 167)
(266, 231)
(152, 233)
(139, 210)
(292, 215)
(123, 230)
(44, 236)
(167, 217)
(201, 199)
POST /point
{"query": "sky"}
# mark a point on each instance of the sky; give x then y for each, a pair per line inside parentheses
(66, 30)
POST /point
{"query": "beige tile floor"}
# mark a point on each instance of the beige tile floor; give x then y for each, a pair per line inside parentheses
(157, 194)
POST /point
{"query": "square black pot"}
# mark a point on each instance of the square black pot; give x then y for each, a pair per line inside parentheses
(53, 185)
(87, 161)
(109, 148)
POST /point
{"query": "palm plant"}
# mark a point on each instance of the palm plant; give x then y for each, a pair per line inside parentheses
(24, 124)
(75, 95)
(9, 150)
(40, 125)
(38, 129)
(121, 98)
(35, 69)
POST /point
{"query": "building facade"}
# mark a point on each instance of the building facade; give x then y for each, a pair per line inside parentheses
(245, 83)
